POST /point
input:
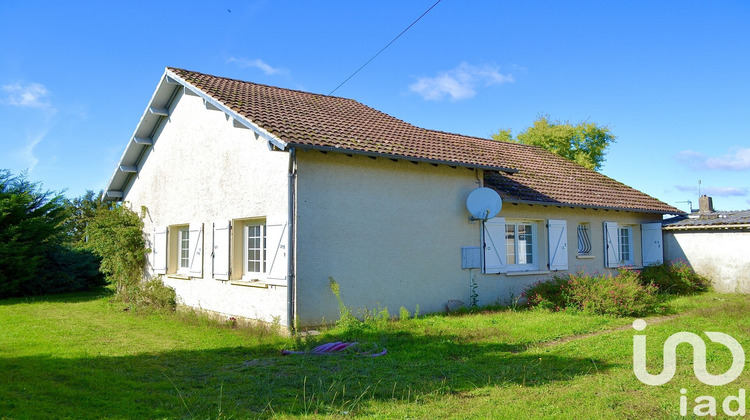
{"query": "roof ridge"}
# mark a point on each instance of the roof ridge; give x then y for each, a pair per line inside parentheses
(262, 84)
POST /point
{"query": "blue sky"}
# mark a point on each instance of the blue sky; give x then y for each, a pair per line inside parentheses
(669, 78)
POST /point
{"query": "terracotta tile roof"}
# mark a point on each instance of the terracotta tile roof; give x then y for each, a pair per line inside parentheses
(318, 121)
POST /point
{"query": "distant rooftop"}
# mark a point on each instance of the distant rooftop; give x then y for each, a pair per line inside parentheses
(739, 219)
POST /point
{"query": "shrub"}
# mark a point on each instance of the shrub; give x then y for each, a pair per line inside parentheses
(116, 235)
(67, 269)
(547, 294)
(154, 294)
(675, 278)
(620, 295)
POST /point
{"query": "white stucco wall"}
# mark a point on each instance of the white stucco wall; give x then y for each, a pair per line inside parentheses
(202, 169)
(390, 233)
(721, 255)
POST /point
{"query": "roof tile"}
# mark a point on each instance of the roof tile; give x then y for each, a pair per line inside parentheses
(318, 121)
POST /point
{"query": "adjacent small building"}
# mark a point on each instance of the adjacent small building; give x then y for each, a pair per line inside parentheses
(257, 196)
(715, 243)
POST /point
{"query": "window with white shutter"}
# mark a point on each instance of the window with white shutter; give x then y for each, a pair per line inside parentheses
(159, 250)
(651, 244)
(611, 245)
(195, 267)
(220, 253)
(493, 243)
(557, 235)
(277, 241)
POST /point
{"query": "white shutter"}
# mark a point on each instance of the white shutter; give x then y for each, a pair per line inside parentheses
(651, 241)
(220, 254)
(611, 247)
(493, 242)
(159, 250)
(557, 236)
(276, 250)
(196, 249)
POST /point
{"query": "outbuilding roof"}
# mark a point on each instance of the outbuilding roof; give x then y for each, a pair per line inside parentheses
(291, 118)
(733, 220)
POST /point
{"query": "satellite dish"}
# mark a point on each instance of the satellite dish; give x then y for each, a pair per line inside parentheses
(484, 203)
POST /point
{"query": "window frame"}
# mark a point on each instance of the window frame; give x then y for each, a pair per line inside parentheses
(514, 223)
(248, 275)
(183, 249)
(625, 231)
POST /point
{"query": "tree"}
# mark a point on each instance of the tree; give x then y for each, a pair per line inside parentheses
(35, 254)
(82, 211)
(584, 143)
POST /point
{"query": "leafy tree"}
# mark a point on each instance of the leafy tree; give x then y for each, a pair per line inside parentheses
(585, 143)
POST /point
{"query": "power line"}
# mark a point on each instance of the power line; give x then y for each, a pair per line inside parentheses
(384, 48)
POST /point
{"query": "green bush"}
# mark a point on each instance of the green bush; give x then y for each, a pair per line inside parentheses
(154, 294)
(547, 294)
(116, 235)
(620, 295)
(68, 269)
(675, 278)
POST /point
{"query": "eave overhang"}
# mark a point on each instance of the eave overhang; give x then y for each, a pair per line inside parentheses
(587, 206)
(302, 146)
(155, 115)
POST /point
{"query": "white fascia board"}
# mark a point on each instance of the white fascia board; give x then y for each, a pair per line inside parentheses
(239, 118)
(166, 82)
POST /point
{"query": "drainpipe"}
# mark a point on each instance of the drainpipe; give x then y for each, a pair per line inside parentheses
(291, 235)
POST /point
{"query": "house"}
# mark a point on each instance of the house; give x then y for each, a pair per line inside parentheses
(714, 243)
(256, 196)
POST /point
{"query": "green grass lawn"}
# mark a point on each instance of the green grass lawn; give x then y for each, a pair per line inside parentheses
(82, 356)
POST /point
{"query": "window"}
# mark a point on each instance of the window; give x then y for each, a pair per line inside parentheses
(584, 241)
(178, 250)
(255, 248)
(619, 245)
(250, 250)
(183, 252)
(512, 245)
(625, 244)
(520, 245)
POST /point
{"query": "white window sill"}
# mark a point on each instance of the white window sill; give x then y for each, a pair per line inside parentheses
(245, 283)
(179, 276)
(585, 257)
(526, 273)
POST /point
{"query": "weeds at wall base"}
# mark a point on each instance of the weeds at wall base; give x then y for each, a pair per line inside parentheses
(629, 293)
